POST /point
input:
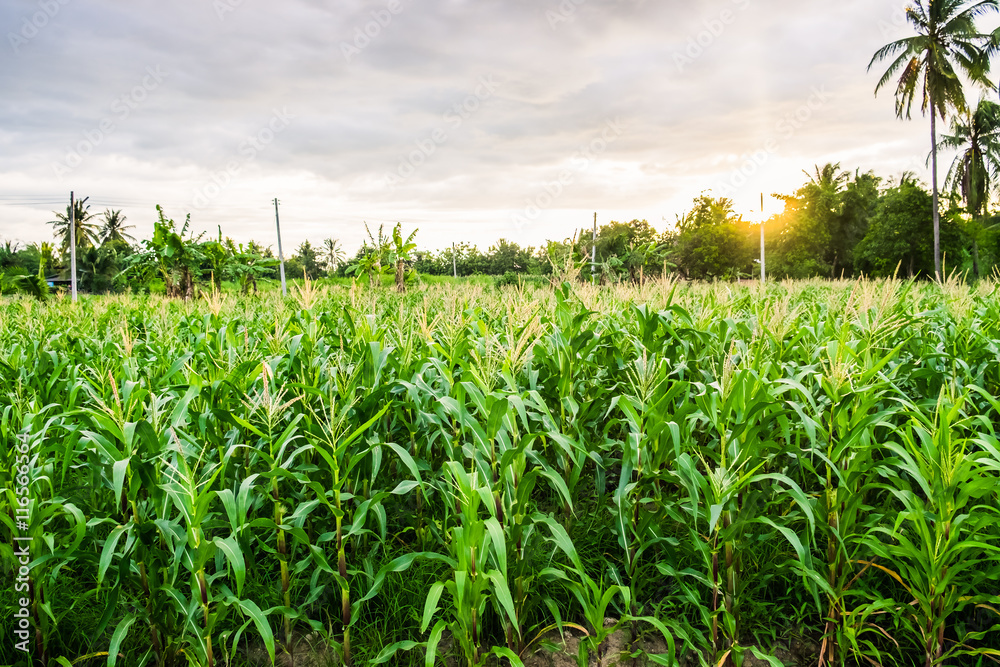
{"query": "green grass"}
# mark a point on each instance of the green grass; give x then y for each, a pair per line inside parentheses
(723, 466)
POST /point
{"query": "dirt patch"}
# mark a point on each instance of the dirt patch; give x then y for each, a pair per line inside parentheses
(553, 650)
(557, 650)
(305, 651)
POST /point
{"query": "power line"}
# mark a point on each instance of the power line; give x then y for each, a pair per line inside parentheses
(30, 204)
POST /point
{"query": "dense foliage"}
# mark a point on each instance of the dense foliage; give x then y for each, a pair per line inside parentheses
(465, 470)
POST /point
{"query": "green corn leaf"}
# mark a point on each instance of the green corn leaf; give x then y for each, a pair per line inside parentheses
(504, 652)
(431, 604)
(432, 643)
(234, 554)
(118, 637)
(389, 652)
(499, 544)
(120, 469)
(108, 551)
(502, 592)
(250, 608)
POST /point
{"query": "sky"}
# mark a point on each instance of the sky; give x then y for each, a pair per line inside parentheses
(469, 120)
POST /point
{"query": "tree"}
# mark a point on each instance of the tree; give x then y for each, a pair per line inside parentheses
(859, 199)
(98, 268)
(639, 255)
(947, 44)
(629, 242)
(9, 255)
(706, 212)
(247, 265)
(821, 208)
(712, 241)
(306, 259)
(899, 234)
(44, 258)
(114, 228)
(505, 256)
(401, 252)
(380, 245)
(333, 255)
(86, 232)
(169, 256)
(367, 264)
(974, 172)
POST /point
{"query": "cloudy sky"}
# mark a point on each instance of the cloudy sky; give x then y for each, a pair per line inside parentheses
(471, 120)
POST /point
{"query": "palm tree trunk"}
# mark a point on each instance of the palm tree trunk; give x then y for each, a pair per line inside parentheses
(934, 191)
(400, 276)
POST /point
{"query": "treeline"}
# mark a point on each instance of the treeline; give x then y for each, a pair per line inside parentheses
(837, 224)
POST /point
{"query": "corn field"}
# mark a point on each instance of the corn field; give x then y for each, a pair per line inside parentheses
(470, 476)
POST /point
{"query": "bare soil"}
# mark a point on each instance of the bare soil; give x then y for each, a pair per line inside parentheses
(553, 650)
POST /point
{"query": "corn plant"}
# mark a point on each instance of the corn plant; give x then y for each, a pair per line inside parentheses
(843, 424)
(334, 446)
(727, 466)
(943, 546)
(595, 599)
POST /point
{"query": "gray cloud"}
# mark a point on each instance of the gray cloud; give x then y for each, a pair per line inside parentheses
(368, 85)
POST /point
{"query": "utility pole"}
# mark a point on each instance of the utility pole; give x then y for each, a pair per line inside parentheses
(763, 275)
(281, 256)
(72, 245)
(454, 262)
(593, 253)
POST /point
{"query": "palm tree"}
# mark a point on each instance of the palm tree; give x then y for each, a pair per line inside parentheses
(823, 199)
(114, 227)
(975, 171)
(86, 231)
(825, 187)
(947, 44)
(333, 255)
(829, 177)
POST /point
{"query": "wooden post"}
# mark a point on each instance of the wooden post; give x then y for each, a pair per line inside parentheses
(72, 245)
(281, 256)
(593, 253)
(763, 275)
